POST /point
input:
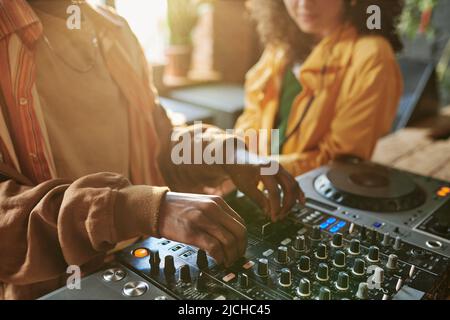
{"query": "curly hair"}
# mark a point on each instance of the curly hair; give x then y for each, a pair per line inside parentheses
(275, 25)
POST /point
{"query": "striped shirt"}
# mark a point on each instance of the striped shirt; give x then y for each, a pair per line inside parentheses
(24, 143)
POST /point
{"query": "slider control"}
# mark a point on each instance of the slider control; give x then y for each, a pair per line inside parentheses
(202, 260)
(243, 280)
(185, 274)
(169, 267)
(154, 260)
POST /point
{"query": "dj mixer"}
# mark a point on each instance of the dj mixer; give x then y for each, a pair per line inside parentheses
(393, 245)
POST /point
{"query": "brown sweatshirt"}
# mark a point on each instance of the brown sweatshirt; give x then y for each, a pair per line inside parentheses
(77, 217)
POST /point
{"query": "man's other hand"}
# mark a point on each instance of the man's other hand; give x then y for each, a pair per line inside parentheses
(248, 175)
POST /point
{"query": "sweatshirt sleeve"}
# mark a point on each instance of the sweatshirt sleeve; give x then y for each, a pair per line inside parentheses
(47, 227)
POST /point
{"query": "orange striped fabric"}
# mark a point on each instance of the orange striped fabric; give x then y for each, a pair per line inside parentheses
(35, 162)
(16, 16)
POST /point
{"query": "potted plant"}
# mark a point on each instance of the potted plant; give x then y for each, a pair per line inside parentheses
(416, 19)
(182, 18)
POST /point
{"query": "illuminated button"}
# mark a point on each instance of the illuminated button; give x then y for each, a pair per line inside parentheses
(334, 229)
(341, 224)
(331, 220)
(229, 277)
(377, 225)
(141, 253)
(443, 192)
(324, 225)
(248, 265)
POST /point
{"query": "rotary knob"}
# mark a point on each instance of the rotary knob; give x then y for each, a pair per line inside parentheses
(263, 268)
(324, 294)
(378, 277)
(355, 247)
(322, 251)
(392, 262)
(359, 267)
(337, 240)
(282, 255)
(374, 254)
(285, 277)
(323, 272)
(316, 233)
(342, 282)
(339, 259)
(373, 237)
(304, 264)
(398, 243)
(363, 233)
(304, 288)
(299, 244)
(363, 291)
(386, 240)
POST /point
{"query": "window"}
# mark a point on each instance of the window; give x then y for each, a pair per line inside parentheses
(148, 20)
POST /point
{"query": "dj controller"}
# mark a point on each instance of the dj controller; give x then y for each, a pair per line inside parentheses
(367, 232)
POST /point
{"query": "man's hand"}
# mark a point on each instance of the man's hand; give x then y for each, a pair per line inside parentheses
(206, 222)
(248, 176)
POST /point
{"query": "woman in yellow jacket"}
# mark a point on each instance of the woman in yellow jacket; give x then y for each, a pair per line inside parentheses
(326, 81)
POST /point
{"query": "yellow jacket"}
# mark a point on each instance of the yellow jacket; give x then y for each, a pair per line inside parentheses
(355, 85)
